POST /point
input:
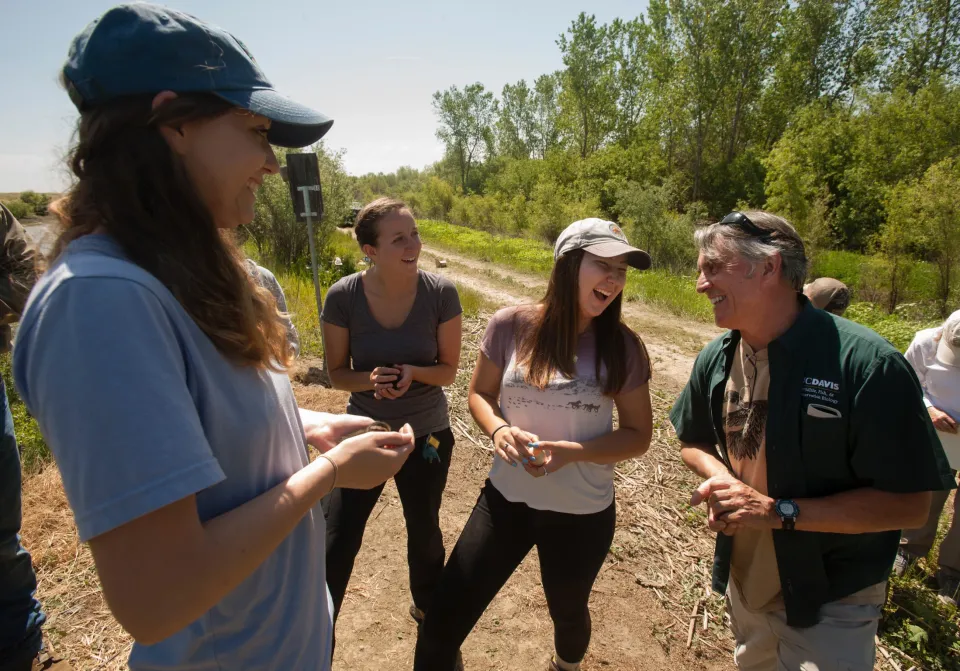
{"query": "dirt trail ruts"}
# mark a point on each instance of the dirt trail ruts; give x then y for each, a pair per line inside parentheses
(632, 631)
(671, 341)
(42, 231)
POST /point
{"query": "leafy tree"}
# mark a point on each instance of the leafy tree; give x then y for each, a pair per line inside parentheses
(466, 120)
(806, 170)
(545, 133)
(925, 43)
(629, 49)
(274, 229)
(516, 132)
(929, 210)
(588, 94)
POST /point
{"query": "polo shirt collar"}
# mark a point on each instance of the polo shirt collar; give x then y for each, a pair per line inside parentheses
(794, 338)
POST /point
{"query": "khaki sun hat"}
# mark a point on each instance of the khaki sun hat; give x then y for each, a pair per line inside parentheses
(600, 237)
(828, 294)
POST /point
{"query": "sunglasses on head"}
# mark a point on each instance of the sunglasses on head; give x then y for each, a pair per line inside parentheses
(743, 222)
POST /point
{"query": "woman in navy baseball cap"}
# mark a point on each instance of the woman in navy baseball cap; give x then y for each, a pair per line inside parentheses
(155, 366)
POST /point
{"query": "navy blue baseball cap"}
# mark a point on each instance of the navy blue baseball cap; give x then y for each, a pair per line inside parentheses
(142, 48)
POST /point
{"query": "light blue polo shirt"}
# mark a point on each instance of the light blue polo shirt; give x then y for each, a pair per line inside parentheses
(141, 410)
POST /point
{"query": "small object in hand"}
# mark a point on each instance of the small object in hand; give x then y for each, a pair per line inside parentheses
(430, 449)
(396, 383)
(375, 426)
(538, 455)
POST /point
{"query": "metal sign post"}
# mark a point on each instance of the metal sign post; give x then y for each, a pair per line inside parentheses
(303, 174)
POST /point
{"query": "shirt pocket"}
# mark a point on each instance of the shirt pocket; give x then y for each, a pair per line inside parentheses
(824, 443)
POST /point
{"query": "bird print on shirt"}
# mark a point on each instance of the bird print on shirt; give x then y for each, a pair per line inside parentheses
(745, 424)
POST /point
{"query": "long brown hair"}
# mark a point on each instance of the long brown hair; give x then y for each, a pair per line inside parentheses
(547, 344)
(130, 184)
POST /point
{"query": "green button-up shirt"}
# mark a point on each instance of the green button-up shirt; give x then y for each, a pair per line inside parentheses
(882, 438)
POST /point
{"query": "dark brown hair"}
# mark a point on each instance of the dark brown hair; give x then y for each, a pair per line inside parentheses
(366, 228)
(130, 184)
(547, 344)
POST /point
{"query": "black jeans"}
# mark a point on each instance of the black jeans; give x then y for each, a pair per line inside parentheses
(420, 484)
(498, 535)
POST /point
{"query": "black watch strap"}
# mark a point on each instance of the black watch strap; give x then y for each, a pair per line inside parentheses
(787, 511)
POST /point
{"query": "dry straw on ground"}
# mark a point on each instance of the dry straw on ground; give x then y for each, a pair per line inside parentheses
(78, 621)
(660, 541)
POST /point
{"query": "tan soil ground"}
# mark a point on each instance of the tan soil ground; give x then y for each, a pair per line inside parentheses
(635, 627)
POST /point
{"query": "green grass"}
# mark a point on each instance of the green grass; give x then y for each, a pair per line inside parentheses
(866, 277)
(34, 452)
(668, 291)
(297, 285)
(522, 254)
(898, 330)
(915, 621)
(677, 294)
(672, 293)
(302, 306)
(473, 302)
(301, 299)
(343, 245)
(919, 624)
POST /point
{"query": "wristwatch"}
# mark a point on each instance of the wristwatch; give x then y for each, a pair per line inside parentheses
(787, 510)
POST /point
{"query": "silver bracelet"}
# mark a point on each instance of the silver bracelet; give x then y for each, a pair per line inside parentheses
(336, 471)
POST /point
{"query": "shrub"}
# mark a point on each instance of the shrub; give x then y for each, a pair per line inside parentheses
(19, 209)
(38, 202)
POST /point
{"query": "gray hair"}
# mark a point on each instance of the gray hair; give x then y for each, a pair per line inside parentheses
(715, 239)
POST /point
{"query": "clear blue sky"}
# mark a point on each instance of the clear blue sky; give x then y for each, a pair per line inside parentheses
(372, 65)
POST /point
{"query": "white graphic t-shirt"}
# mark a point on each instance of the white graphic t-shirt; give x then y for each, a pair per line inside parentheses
(567, 409)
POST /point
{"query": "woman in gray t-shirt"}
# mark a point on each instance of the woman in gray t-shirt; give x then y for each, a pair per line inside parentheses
(392, 338)
(544, 390)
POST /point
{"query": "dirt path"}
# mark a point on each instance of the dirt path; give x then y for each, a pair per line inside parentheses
(632, 631)
(672, 342)
(632, 628)
(42, 231)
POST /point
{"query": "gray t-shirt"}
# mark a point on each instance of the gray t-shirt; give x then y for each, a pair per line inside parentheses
(413, 342)
(567, 409)
(141, 410)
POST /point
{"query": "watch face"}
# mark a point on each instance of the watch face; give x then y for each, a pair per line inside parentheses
(787, 508)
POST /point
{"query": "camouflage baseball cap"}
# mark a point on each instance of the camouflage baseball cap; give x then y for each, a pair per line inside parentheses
(600, 237)
(828, 294)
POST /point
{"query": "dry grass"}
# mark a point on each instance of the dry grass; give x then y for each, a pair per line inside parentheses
(79, 624)
(660, 542)
(663, 542)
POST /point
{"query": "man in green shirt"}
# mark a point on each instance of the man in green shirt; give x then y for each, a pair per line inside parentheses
(815, 448)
